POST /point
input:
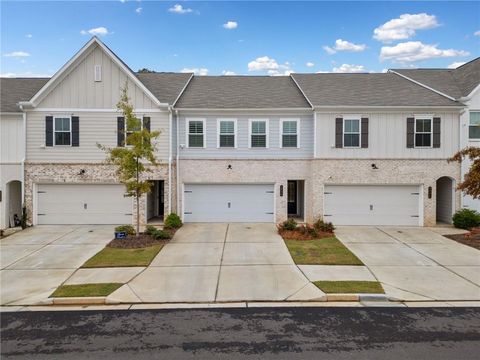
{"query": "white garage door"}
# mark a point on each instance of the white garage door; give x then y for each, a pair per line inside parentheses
(228, 203)
(83, 204)
(372, 205)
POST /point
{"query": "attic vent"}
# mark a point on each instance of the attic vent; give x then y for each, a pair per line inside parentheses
(98, 72)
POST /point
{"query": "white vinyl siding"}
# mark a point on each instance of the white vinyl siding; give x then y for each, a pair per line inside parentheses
(62, 131)
(227, 133)
(290, 133)
(196, 133)
(95, 128)
(11, 138)
(474, 126)
(258, 135)
(351, 131)
(78, 89)
(386, 137)
(423, 132)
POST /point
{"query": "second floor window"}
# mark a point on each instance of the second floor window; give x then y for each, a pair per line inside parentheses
(130, 130)
(63, 131)
(289, 133)
(474, 126)
(258, 133)
(196, 133)
(351, 133)
(423, 132)
(226, 133)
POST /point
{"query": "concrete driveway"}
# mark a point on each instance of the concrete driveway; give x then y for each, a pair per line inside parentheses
(221, 262)
(35, 261)
(416, 263)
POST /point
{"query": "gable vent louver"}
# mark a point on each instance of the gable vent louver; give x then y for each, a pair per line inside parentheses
(98, 73)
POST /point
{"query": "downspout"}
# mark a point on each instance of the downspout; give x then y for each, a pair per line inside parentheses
(170, 160)
(24, 154)
(178, 166)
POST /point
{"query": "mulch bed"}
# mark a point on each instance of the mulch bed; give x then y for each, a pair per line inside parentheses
(472, 239)
(142, 241)
(297, 235)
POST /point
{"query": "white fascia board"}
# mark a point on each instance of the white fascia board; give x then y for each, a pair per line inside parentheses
(183, 90)
(301, 90)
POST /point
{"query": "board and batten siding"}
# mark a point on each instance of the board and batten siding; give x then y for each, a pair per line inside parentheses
(242, 151)
(95, 128)
(11, 138)
(387, 137)
(79, 90)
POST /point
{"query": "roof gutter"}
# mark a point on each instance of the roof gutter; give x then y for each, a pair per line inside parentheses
(24, 157)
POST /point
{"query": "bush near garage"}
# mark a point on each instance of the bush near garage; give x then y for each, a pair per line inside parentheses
(172, 221)
(128, 229)
(290, 230)
(466, 219)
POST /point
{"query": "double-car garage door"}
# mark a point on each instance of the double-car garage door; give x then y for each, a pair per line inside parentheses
(228, 203)
(83, 204)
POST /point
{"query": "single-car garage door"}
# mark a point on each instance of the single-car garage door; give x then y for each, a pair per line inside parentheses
(372, 204)
(83, 204)
(228, 203)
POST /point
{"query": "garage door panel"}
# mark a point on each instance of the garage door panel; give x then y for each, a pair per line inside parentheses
(83, 204)
(372, 205)
(228, 203)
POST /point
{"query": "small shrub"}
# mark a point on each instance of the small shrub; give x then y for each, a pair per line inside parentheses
(322, 226)
(173, 221)
(289, 225)
(150, 229)
(466, 219)
(161, 235)
(129, 229)
(307, 230)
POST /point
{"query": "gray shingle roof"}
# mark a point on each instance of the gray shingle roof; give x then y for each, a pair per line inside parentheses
(242, 92)
(14, 90)
(165, 86)
(456, 83)
(386, 89)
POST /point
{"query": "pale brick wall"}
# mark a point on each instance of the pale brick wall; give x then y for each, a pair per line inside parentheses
(94, 173)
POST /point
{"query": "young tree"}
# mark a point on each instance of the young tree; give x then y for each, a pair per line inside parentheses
(133, 159)
(471, 183)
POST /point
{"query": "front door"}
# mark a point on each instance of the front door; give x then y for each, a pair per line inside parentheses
(161, 198)
(292, 198)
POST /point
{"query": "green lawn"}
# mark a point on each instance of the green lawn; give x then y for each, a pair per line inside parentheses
(86, 290)
(350, 287)
(327, 251)
(113, 257)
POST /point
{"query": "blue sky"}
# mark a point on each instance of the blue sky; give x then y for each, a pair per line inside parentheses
(253, 38)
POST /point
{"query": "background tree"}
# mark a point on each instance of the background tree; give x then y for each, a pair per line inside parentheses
(471, 183)
(146, 71)
(134, 159)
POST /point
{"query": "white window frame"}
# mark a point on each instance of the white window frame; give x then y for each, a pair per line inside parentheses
(219, 120)
(423, 117)
(187, 129)
(470, 124)
(281, 133)
(54, 137)
(267, 131)
(356, 118)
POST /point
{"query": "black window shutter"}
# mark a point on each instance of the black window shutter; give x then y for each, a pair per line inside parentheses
(436, 132)
(49, 130)
(75, 131)
(364, 139)
(146, 123)
(410, 132)
(120, 131)
(339, 132)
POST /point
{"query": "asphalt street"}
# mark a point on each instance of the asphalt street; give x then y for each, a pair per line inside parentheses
(261, 333)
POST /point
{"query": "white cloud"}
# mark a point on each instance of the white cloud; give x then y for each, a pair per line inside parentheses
(29, 36)
(477, 33)
(17, 54)
(101, 31)
(139, 10)
(228, 73)
(230, 25)
(179, 9)
(25, 74)
(456, 64)
(415, 51)
(123, 1)
(343, 45)
(310, 64)
(348, 68)
(404, 27)
(263, 63)
(196, 71)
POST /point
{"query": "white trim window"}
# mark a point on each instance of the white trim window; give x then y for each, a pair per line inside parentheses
(62, 131)
(195, 133)
(423, 132)
(352, 128)
(290, 133)
(129, 132)
(474, 126)
(258, 133)
(226, 133)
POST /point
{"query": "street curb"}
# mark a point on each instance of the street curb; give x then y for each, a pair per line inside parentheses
(342, 297)
(79, 301)
(374, 297)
